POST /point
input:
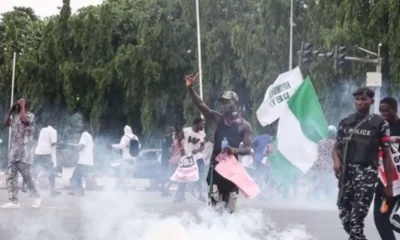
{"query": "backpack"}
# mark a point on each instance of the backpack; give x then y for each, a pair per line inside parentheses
(134, 148)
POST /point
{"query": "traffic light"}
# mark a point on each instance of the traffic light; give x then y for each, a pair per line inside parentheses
(340, 56)
(306, 54)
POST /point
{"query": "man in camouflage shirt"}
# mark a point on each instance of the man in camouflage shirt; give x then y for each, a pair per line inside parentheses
(22, 124)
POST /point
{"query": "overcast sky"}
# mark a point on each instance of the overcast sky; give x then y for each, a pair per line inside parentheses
(44, 8)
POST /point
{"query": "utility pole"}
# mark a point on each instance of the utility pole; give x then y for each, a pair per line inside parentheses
(12, 94)
(199, 50)
(291, 36)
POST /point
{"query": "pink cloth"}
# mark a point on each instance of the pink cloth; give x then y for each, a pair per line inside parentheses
(176, 153)
(233, 170)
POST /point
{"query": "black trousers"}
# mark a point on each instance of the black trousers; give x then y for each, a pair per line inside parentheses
(44, 163)
(225, 187)
(77, 177)
(164, 165)
(382, 222)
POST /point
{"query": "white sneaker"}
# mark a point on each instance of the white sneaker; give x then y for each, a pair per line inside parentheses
(36, 202)
(10, 205)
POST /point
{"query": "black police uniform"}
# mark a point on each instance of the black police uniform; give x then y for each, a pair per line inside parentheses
(364, 135)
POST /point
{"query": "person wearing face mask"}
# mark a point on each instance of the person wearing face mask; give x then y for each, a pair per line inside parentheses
(22, 124)
(231, 130)
(355, 155)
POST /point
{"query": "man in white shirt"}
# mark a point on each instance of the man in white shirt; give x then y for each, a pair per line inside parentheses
(85, 149)
(45, 156)
(193, 145)
(126, 168)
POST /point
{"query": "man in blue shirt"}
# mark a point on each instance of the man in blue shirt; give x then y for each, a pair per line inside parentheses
(259, 145)
(261, 171)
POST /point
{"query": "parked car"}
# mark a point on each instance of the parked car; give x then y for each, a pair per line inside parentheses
(148, 164)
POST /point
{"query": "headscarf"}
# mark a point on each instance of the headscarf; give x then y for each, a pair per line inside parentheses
(128, 132)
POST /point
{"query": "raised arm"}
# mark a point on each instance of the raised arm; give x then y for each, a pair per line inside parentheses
(208, 113)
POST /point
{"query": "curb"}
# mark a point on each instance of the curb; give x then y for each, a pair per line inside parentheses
(92, 183)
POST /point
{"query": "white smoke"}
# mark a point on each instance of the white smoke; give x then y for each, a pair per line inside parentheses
(343, 105)
(119, 217)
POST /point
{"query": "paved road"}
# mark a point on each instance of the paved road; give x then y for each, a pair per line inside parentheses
(115, 216)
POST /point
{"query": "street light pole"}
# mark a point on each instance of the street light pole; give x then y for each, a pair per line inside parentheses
(12, 94)
(378, 89)
(199, 48)
(291, 36)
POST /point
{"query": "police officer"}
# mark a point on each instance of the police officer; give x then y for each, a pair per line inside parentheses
(355, 156)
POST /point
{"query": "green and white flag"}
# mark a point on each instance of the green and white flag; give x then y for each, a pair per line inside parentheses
(277, 95)
(301, 126)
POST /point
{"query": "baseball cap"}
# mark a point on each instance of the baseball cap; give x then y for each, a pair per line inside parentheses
(229, 95)
(364, 91)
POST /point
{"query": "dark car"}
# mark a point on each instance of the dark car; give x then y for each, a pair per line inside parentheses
(148, 164)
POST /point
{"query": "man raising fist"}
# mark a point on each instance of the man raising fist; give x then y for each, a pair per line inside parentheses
(22, 124)
(230, 128)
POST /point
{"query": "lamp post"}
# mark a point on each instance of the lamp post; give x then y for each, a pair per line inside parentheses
(291, 36)
(199, 48)
(12, 93)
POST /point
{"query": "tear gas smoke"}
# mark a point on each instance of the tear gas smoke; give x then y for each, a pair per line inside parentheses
(343, 102)
(117, 216)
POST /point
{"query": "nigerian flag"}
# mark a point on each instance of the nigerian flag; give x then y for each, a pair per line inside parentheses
(301, 126)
